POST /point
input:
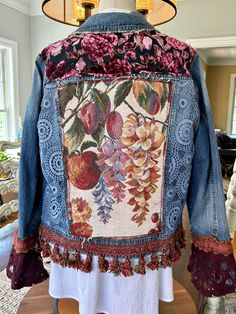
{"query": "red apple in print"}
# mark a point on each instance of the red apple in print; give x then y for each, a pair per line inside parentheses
(114, 124)
(89, 115)
(155, 217)
(83, 170)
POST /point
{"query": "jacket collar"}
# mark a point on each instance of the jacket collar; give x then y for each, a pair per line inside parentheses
(115, 22)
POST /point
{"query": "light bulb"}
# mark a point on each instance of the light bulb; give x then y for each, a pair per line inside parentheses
(144, 6)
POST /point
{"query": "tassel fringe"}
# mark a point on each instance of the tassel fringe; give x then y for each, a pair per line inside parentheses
(161, 259)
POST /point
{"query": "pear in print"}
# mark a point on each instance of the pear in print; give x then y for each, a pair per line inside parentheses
(89, 115)
(83, 171)
(114, 124)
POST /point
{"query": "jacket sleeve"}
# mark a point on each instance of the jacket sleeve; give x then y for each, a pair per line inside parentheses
(212, 264)
(25, 266)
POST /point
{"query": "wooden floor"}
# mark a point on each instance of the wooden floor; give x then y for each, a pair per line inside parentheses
(38, 301)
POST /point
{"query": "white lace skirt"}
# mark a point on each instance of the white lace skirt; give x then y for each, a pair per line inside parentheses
(103, 293)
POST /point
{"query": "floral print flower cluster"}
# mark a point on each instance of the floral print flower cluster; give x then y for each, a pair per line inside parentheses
(117, 54)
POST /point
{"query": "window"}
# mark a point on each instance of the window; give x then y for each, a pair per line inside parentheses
(232, 106)
(8, 90)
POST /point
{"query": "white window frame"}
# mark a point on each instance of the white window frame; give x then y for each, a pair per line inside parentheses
(13, 106)
(232, 92)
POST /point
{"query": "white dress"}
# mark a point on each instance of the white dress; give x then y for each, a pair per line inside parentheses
(104, 293)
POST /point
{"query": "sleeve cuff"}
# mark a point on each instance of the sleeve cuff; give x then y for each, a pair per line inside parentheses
(25, 269)
(213, 271)
(25, 266)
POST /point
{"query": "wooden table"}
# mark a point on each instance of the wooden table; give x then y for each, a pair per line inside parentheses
(38, 301)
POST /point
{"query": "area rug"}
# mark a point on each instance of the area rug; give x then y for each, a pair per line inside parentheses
(229, 304)
(9, 299)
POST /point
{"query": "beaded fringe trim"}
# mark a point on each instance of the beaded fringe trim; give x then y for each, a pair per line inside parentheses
(161, 258)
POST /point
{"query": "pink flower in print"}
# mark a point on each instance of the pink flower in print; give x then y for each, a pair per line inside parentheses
(55, 48)
(159, 39)
(176, 54)
(124, 38)
(80, 65)
(118, 66)
(175, 43)
(147, 59)
(139, 40)
(185, 55)
(61, 66)
(98, 46)
(147, 42)
(131, 54)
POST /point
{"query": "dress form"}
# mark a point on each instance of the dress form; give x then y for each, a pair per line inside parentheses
(112, 295)
(117, 6)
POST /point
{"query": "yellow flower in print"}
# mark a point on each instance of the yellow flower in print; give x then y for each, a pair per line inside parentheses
(141, 140)
(80, 211)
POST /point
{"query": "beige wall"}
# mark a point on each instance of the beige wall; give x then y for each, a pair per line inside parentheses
(218, 84)
(15, 25)
(202, 18)
(45, 31)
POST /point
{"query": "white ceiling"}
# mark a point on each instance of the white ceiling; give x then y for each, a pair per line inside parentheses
(29, 7)
(219, 56)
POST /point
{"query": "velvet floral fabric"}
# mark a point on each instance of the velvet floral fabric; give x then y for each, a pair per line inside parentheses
(116, 54)
(213, 274)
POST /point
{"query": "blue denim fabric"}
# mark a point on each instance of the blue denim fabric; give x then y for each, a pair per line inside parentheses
(192, 169)
(114, 22)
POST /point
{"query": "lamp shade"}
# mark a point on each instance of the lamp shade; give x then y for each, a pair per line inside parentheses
(163, 11)
(72, 12)
(66, 11)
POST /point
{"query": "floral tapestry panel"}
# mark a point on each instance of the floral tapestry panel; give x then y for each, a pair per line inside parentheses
(114, 134)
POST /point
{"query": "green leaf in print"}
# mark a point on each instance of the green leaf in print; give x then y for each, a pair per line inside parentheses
(79, 90)
(75, 135)
(164, 96)
(87, 144)
(89, 85)
(98, 134)
(66, 93)
(101, 99)
(122, 92)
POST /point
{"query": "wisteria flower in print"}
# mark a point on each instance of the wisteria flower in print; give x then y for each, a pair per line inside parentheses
(79, 214)
(111, 160)
(104, 199)
(99, 46)
(142, 140)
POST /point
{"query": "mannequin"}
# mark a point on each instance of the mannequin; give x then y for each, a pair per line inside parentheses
(158, 285)
(117, 6)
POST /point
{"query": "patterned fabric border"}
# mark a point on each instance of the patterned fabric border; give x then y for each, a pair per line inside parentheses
(66, 252)
(23, 246)
(212, 244)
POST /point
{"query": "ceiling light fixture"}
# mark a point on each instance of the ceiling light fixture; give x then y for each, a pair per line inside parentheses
(75, 12)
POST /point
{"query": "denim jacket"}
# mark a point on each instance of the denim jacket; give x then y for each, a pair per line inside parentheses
(117, 138)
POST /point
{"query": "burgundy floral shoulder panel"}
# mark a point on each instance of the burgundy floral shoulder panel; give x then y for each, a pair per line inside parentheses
(117, 54)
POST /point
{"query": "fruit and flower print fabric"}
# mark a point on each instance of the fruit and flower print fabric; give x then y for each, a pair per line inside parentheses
(114, 143)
